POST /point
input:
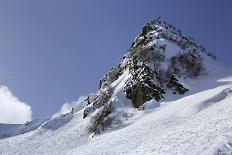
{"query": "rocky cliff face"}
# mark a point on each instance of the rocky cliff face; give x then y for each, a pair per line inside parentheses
(159, 58)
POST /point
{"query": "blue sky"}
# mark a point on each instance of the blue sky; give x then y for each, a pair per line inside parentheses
(53, 51)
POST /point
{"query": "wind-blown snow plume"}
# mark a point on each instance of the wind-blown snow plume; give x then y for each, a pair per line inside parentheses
(12, 110)
(67, 107)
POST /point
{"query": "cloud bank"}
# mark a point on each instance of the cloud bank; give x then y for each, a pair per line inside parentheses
(12, 110)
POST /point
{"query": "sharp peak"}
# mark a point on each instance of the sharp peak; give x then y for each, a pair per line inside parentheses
(167, 31)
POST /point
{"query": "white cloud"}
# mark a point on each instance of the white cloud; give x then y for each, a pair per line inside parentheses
(67, 107)
(12, 110)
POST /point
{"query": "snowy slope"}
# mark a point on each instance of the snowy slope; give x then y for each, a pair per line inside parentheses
(9, 130)
(196, 122)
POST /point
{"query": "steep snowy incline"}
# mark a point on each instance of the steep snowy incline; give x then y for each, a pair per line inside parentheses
(54, 137)
(198, 123)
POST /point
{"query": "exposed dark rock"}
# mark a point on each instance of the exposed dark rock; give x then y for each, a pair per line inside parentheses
(174, 85)
(102, 120)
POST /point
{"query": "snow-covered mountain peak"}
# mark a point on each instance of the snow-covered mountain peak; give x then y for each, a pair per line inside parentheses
(158, 33)
(160, 59)
(168, 95)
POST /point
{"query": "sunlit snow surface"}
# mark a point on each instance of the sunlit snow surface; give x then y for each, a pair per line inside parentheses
(200, 122)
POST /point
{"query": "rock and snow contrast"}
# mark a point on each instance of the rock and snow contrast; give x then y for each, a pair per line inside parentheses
(169, 95)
